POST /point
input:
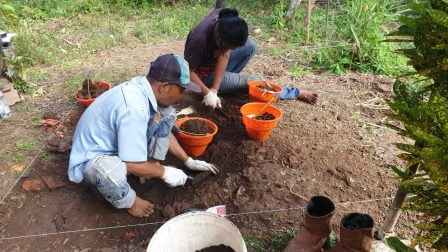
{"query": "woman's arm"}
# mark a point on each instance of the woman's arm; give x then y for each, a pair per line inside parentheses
(220, 68)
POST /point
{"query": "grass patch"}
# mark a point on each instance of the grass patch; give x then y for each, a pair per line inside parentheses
(254, 243)
(61, 43)
(169, 21)
(27, 145)
(279, 240)
(64, 32)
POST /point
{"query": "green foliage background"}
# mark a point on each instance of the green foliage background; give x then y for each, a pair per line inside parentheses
(354, 36)
(422, 107)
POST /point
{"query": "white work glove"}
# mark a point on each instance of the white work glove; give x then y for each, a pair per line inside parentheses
(211, 99)
(198, 165)
(174, 177)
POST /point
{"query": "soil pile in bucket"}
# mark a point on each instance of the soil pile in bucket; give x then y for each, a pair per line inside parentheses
(268, 88)
(95, 90)
(196, 127)
(266, 116)
(219, 248)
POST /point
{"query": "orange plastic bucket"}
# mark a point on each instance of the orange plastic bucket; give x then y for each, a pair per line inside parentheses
(259, 130)
(192, 144)
(87, 102)
(262, 95)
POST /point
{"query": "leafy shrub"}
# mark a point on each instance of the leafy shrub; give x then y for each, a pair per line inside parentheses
(422, 107)
(361, 27)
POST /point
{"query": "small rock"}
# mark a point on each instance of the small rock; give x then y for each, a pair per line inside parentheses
(200, 177)
(54, 140)
(53, 182)
(50, 115)
(271, 40)
(257, 31)
(32, 185)
(129, 235)
(349, 180)
(64, 146)
(293, 160)
(58, 143)
(168, 211)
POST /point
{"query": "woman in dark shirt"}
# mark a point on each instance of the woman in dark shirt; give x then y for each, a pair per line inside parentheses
(217, 50)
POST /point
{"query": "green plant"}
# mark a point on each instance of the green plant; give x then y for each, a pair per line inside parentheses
(8, 15)
(360, 27)
(16, 71)
(422, 108)
(254, 243)
(280, 240)
(28, 145)
(397, 245)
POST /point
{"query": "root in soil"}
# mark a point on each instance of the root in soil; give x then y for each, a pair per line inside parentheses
(268, 88)
(266, 116)
(219, 248)
(196, 127)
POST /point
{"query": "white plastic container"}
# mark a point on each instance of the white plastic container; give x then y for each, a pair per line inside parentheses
(195, 231)
(5, 111)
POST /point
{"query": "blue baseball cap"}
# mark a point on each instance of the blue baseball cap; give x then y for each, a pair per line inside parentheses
(174, 69)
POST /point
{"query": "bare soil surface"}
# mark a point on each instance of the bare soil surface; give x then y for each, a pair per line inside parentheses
(339, 148)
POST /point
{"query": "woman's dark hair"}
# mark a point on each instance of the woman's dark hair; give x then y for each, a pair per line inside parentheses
(232, 29)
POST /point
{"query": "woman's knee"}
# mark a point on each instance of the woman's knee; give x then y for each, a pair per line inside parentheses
(251, 46)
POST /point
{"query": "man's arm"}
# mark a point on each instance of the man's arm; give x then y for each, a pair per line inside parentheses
(220, 68)
(149, 169)
(177, 150)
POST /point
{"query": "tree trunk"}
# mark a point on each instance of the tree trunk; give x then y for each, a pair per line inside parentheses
(219, 4)
(308, 20)
(394, 210)
(291, 13)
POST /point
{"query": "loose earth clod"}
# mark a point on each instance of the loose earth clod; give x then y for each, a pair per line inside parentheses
(219, 248)
(266, 116)
(196, 127)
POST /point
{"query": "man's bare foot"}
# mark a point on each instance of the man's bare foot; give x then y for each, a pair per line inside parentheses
(141, 208)
(308, 97)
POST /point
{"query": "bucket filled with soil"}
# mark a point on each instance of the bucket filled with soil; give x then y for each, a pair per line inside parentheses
(261, 91)
(197, 231)
(259, 124)
(195, 134)
(90, 90)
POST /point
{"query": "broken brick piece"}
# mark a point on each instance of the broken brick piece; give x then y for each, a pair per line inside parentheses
(32, 185)
(53, 182)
